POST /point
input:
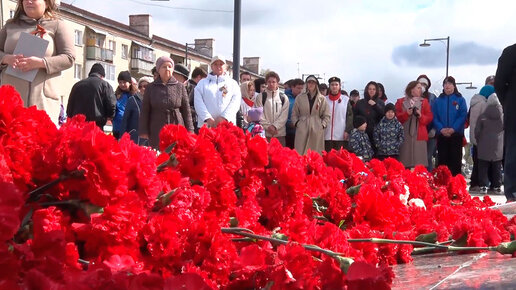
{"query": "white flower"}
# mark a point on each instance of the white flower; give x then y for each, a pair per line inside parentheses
(417, 202)
(404, 197)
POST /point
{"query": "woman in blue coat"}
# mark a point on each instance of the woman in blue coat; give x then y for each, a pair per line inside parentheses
(132, 112)
(450, 113)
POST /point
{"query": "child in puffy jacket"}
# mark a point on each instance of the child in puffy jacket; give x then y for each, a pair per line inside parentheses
(359, 140)
(388, 134)
(254, 127)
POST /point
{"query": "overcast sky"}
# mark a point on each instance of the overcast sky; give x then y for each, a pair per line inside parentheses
(355, 40)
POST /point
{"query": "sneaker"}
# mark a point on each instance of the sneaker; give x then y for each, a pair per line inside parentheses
(496, 190)
(474, 189)
(483, 190)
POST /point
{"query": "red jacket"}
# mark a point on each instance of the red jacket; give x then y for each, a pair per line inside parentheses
(424, 120)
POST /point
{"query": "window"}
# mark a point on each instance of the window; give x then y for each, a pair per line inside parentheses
(125, 50)
(99, 41)
(112, 46)
(77, 71)
(143, 53)
(110, 71)
(78, 37)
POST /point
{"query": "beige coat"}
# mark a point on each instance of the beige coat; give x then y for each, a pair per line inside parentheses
(44, 91)
(310, 126)
(275, 112)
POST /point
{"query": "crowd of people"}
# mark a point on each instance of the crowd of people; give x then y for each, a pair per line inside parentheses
(418, 129)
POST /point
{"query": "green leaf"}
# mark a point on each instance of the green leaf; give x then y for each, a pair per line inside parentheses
(89, 208)
(461, 242)
(506, 248)
(344, 263)
(341, 223)
(163, 200)
(428, 238)
(170, 147)
(280, 236)
(171, 162)
(354, 190)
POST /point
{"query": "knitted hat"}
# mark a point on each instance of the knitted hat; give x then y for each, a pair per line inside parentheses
(161, 60)
(389, 107)
(99, 69)
(487, 90)
(424, 80)
(255, 114)
(145, 79)
(182, 70)
(312, 78)
(358, 121)
(124, 76)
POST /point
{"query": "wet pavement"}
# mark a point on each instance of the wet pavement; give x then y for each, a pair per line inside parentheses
(487, 270)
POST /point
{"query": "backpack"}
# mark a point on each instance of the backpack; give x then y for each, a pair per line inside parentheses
(281, 95)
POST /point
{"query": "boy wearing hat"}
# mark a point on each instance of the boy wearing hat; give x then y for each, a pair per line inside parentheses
(341, 117)
(388, 134)
(217, 97)
(359, 140)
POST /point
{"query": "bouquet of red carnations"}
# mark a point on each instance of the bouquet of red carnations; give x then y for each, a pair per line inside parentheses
(215, 210)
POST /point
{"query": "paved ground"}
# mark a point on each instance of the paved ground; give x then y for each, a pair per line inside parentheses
(488, 270)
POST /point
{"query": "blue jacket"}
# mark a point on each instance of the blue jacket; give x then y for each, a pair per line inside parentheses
(388, 136)
(360, 144)
(290, 129)
(120, 109)
(449, 112)
(131, 119)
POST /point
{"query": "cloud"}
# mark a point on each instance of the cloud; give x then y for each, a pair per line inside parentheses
(464, 53)
(210, 14)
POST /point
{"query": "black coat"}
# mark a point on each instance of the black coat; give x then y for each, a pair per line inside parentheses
(505, 82)
(373, 114)
(94, 98)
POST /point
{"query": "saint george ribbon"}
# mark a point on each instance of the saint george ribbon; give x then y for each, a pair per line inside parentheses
(40, 31)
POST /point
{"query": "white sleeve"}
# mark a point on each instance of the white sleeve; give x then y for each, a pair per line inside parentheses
(231, 110)
(200, 106)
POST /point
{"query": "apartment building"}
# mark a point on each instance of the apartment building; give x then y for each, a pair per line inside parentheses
(120, 47)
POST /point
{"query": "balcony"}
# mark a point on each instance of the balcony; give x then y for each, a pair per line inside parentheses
(97, 53)
(141, 67)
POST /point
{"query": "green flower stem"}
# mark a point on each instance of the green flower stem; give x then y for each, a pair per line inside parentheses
(388, 241)
(428, 250)
(63, 202)
(246, 233)
(503, 248)
(34, 194)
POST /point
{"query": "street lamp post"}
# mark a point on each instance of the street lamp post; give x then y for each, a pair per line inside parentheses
(425, 44)
(186, 52)
(236, 39)
(470, 87)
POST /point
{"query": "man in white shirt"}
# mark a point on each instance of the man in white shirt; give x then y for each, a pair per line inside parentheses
(341, 117)
(217, 97)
